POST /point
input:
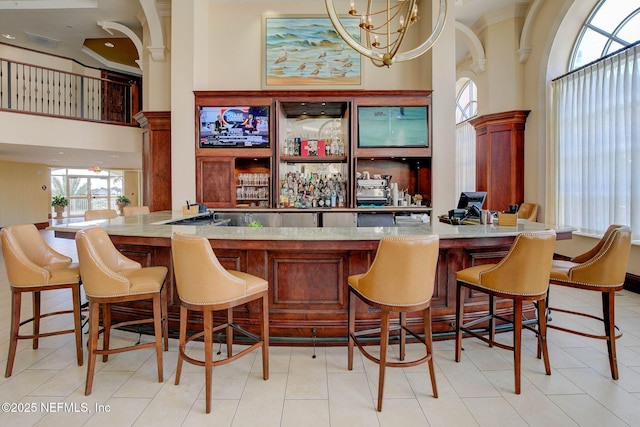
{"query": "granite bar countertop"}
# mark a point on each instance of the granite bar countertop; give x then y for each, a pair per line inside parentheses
(155, 225)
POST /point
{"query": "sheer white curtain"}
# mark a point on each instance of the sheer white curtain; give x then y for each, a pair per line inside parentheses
(465, 157)
(594, 146)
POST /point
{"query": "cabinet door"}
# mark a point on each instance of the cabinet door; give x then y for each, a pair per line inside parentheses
(215, 182)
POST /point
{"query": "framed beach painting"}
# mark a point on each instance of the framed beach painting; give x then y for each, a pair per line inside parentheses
(308, 52)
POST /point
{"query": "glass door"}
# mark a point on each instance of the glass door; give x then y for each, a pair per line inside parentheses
(97, 189)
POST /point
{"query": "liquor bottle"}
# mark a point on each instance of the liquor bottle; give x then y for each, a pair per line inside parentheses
(296, 147)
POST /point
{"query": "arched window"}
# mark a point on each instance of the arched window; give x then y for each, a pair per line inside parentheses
(466, 108)
(466, 101)
(612, 25)
(594, 132)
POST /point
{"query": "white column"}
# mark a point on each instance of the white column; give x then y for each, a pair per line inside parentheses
(444, 121)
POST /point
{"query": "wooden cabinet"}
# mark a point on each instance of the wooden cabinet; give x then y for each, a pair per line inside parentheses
(407, 158)
(500, 158)
(319, 135)
(215, 176)
(156, 159)
(233, 181)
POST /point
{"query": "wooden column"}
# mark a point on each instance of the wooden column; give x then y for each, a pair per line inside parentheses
(156, 159)
(500, 158)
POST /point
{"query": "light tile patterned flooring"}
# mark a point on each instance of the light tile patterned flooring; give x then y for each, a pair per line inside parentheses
(303, 391)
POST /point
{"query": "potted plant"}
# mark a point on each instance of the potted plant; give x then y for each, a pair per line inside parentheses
(122, 201)
(59, 202)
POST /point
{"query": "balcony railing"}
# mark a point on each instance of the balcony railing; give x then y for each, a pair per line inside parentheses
(46, 91)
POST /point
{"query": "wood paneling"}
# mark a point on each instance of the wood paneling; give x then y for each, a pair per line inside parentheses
(308, 286)
(156, 159)
(215, 181)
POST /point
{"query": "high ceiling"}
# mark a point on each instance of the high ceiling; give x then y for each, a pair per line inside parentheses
(69, 28)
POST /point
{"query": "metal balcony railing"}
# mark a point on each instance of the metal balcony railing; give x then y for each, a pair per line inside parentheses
(45, 91)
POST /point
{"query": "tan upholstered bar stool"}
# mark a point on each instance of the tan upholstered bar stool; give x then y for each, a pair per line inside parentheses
(601, 269)
(528, 211)
(522, 275)
(135, 210)
(400, 280)
(33, 266)
(205, 286)
(95, 214)
(110, 277)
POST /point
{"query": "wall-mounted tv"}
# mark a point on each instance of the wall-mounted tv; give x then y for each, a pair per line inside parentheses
(393, 127)
(234, 127)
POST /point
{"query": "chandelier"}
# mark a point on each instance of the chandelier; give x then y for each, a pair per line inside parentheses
(384, 30)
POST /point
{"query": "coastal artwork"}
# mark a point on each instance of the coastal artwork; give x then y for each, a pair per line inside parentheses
(307, 51)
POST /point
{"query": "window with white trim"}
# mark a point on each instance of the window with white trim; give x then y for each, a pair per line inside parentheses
(466, 108)
(611, 26)
(594, 144)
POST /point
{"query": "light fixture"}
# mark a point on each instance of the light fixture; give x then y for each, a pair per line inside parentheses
(384, 30)
(9, 36)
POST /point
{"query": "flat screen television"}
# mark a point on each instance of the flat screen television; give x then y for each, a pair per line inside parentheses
(393, 127)
(234, 127)
(473, 201)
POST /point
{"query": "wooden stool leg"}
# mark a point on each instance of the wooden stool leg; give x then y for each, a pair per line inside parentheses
(229, 332)
(384, 344)
(36, 317)
(403, 335)
(608, 312)
(183, 339)
(77, 322)
(94, 317)
(106, 324)
(459, 318)
(517, 340)
(352, 329)
(157, 329)
(165, 316)
(542, 333)
(208, 356)
(264, 330)
(16, 301)
(428, 341)
(492, 320)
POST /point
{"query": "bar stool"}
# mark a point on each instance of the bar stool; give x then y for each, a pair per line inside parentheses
(135, 210)
(528, 211)
(95, 214)
(601, 269)
(110, 277)
(205, 286)
(522, 275)
(401, 279)
(33, 266)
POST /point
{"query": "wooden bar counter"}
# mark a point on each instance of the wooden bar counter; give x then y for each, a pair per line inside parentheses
(307, 268)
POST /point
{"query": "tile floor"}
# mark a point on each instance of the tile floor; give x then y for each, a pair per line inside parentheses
(303, 391)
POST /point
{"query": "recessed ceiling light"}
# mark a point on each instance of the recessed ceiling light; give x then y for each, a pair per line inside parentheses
(110, 45)
(9, 36)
